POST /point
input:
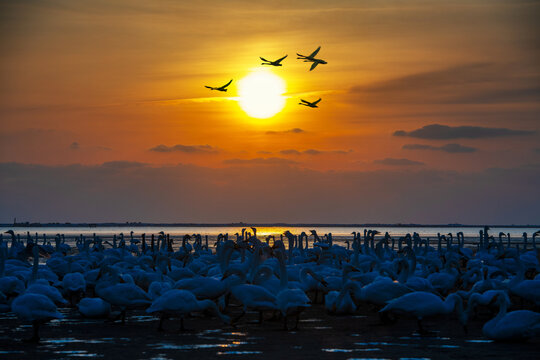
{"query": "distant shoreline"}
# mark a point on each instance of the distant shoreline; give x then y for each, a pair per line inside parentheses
(242, 224)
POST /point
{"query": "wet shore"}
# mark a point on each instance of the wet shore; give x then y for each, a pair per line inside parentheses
(320, 336)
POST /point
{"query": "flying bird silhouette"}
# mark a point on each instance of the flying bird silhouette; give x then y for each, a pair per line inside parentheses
(312, 58)
(220, 88)
(309, 104)
(273, 63)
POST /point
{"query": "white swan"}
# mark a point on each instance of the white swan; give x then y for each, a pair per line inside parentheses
(515, 325)
(251, 296)
(51, 292)
(379, 292)
(177, 302)
(10, 286)
(291, 302)
(203, 287)
(340, 302)
(94, 308)
(121, 294)
(74, 285)
(422, 304)
(36, 308)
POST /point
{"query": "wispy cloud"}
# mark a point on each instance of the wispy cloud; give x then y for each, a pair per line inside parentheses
(290, 131)
(397, 162)
(122, 164)
(445, 132)
(473, 83)
(313, 152)
(314, 93)
(175, 101)
(449, 148)
(290, 152)
(190, 149)
(76, 146)
(260, 161)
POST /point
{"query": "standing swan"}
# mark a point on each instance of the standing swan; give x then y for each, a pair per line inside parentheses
(182, 302)
(289, 301)
(515, 325)
(36, 308)
(421, 304)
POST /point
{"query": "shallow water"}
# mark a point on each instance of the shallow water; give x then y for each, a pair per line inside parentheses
(338, 232)
(319, 336)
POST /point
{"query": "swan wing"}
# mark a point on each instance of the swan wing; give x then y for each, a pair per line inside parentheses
(35, 307)
(263, 59)
(520, 324)
(280, 59)
(227, 84)
(316, 102)
(315, 52)
(313, 66)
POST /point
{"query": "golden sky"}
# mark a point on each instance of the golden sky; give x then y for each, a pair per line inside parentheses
(409, 85)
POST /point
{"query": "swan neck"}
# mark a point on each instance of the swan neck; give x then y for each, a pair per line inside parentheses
(283, 281)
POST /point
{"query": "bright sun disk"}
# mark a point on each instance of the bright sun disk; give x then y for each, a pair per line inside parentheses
(261, 94)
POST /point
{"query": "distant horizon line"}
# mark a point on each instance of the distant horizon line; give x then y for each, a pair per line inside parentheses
(245, 224)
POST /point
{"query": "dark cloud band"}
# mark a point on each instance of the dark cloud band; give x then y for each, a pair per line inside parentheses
(445, 132)
(191, 149)
(449, 148)
(398, 162)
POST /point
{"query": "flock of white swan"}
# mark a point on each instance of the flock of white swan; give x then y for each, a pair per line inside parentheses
(395, 275)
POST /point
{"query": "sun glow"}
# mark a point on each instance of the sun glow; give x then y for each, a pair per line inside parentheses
(261, 94)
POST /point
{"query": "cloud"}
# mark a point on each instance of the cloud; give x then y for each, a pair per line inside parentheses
(469, 83)
(313, 152)
(260, 161)
(264, 152)
(290, 131)
(449, 148)
(190, 149)
(78, 147)
(122, 164)
(124, 191)
(445, 132)
(290, 152)
(397, 162)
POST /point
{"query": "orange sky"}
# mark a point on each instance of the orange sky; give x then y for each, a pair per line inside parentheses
(88, 82)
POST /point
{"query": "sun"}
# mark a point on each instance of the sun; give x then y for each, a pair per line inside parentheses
(261, 93)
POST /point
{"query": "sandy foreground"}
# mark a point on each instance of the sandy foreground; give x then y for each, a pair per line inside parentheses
(320, 336)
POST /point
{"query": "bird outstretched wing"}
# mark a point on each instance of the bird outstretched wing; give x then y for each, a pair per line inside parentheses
(313, 65)
(316, 102)
(315, 52)
(281, 59)
(227, 84)
(263, 59)
(304, 101)
(209, 87)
